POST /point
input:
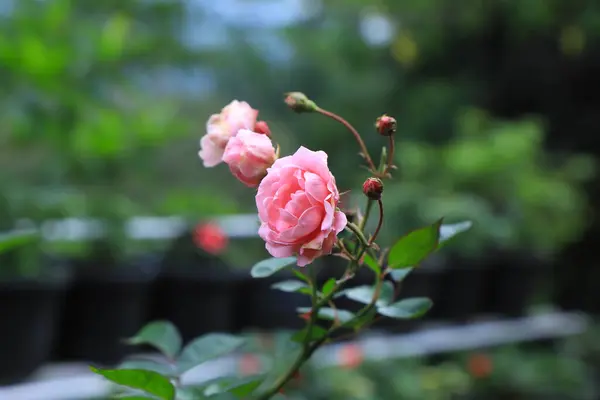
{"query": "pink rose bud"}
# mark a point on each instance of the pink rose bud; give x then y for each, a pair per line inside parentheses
(386, 125)
(298, 102)
(297, 206)
(248, 155)
(373, 188)
(222, 127)
(262, 127)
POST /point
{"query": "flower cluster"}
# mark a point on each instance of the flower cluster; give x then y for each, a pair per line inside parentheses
(298, 204)
(297, 198)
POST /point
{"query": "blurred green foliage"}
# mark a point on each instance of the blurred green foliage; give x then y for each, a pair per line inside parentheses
(104, 103)
(513, 373)
(496, 173)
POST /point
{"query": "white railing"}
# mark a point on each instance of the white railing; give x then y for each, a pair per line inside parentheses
(143, 228)
(77, 382)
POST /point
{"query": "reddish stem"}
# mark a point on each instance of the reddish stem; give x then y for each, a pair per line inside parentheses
(379, 224)
(361, 143)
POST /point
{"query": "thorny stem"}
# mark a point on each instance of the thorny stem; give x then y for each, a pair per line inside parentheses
(357, 136)
(363, 221)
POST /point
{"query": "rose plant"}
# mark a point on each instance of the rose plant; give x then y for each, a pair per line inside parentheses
(298, 205)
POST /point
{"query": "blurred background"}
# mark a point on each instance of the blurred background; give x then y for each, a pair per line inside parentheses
(102, 107)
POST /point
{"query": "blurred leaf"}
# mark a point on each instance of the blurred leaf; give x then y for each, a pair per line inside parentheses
(18, 238)
(148, 381)
(270, 266)
(328, 286)
(240, 387)
(365, 319)
(113, 36)
(161, 334)
(316, 333)
(407, 308)
(450, 231)
(329, 313)
(301, 275)
(291, 286)
(364, 294)
(205, 348)
(399, 275)
(149, 365)
(413, 248)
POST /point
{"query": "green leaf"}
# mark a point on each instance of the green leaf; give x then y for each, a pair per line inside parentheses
(317, 333)
(149, 365)
(291, 286)
(206, 348)
(407, 308)
(450, 231)
(10, 240)
(413, 248)
(399, 275)
(301, 275)
(161, 334)
(269, 266)
(328, 286)
(364, 294)
(240, 387)
(372, 263)
(329, 313)
(386, 295)
(149, 381)
(364, 319)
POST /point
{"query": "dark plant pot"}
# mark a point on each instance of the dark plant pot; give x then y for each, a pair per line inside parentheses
(462, 291)
(30, 311)
(576, 274)
(258, 307)
(512, 282)
(197, 300)
(103, 307)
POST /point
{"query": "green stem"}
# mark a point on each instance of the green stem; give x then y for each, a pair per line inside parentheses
(363, 221)
(358, 232)
(307, 349)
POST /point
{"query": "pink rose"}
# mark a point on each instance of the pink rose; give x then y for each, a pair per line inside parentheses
(222, 127)
(296, 204)
(248, 155)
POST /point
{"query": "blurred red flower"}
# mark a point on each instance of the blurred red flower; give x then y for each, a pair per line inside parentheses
(479, 365)
(210, 238)
(350, 356)
(249, 365)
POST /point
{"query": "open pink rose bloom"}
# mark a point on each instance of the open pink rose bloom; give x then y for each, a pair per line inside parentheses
(222, 127)
(297, 205)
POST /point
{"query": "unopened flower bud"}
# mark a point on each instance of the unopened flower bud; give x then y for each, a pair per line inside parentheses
(373, 188)
(298, 102)
(262, 127)
(386, 125)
